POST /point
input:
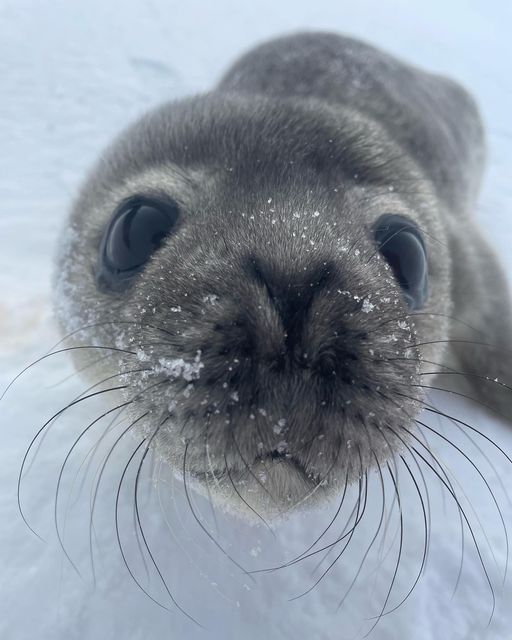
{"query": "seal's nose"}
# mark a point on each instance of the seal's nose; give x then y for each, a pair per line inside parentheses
(290, 293)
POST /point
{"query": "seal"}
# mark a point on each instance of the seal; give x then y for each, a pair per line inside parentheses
(273, 272)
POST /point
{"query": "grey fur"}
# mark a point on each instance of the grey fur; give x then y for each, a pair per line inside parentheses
(286, 165)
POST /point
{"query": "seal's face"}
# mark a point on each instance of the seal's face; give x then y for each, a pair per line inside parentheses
(256, 272)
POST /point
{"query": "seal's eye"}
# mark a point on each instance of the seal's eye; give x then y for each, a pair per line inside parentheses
(135, 232)
(400, 242)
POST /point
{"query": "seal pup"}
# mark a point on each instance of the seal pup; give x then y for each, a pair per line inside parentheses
(276, 270)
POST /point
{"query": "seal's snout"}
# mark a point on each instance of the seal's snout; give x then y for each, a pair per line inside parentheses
(272, 357)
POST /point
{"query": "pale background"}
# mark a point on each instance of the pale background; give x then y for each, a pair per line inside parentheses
(71, 75)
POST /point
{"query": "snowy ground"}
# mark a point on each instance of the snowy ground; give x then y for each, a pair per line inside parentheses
(72, 74)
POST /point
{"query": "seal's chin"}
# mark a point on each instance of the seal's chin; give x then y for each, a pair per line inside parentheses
(270, 488)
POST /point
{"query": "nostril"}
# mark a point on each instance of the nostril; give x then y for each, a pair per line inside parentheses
(262, 274)
(253, 268)
(290, 293)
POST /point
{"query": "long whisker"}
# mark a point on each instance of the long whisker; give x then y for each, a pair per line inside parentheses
(400, 549)
(332, 521)
(345, 546)
(425, 540)
(100, 476)
(470, 528)
(344, 534)
(137, 511)
(374, 538)
(466, 457)
(27, 452)
(61, 472)
(54, 353)
(119, 542)
(215, 542)
(258, 515)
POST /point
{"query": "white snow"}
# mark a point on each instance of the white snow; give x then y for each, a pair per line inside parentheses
(368, 306)
(73, 73)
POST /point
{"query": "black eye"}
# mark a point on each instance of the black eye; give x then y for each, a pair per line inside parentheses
(135, 232)
(401, 244)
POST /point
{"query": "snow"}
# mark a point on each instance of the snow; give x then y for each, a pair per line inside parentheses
(72, 74)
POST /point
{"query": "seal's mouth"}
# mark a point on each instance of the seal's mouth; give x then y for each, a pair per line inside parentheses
(273, 484)
(272, 459)
(284, 457)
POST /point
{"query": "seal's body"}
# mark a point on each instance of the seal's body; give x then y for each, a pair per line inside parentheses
(280, 265)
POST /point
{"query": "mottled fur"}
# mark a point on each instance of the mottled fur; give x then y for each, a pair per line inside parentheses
(297, 348)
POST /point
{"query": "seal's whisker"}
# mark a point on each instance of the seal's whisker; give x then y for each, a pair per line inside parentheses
(426, 504)
(84, 467)
(80, 395)
(59, 351)
(210, 471)
(420, 314)
(446, 483)
(332, 547)
(444, 472)
(460, 341)
(383, 555)
(331, 522)
(426, 538)
(148, 442)
(99, 476)
(490, 491)
(105, 323)
(346, 531)
(230, 477)
(61, 472)
(455, 393)
(394, 478)
(249, 469)
(118, 535)
(426, 446)
(139, 545)
(89, 458)
(457, 423)
(97, 384)
(167, 521)
(210, 536)
(34, 439)
(484, 480)
(359, 516)
(485, 456)
(83, 393)
(80, 370)
(249, 506)
(399, 557)
(472, 428)
(470, 528)
(196, 510)
(374, 538)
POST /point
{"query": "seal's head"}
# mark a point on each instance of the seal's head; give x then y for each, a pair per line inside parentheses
(263, 272)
